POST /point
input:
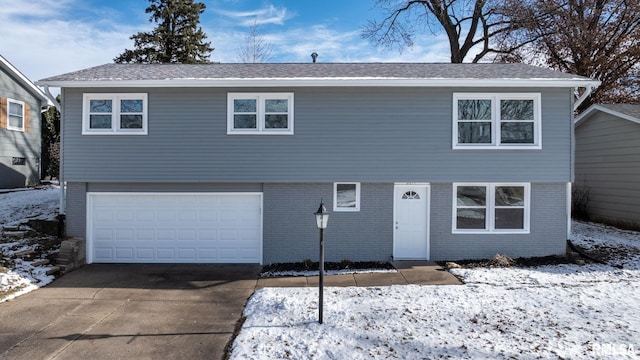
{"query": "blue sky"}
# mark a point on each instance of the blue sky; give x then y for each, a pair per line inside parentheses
(49, 37)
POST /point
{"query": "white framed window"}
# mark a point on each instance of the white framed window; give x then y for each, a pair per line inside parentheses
(15, 115)
(114, 114)
(491, 208)
(346, 196)
(260, 113)
(497, 121)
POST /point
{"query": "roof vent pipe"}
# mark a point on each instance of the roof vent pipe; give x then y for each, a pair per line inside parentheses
(314, 56)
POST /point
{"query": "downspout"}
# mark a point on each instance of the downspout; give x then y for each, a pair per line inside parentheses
(587, 91)
(52, 98)
(61, 211)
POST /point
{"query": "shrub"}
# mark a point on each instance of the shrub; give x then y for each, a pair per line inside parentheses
(580, 196)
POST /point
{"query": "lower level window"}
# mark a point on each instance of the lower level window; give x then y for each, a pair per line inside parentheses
(499, 208)
(346, 196)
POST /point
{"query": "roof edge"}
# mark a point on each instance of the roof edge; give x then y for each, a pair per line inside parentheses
(323, 82)
(593, 109)
(25, 81)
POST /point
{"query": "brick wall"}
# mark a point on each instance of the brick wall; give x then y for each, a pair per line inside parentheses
(76, 213)
(547, 235)
(290, 232)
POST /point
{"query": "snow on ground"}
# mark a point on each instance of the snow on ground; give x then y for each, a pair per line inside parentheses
(17, 276)
(327, 272)
(562, 311)
(17, 206)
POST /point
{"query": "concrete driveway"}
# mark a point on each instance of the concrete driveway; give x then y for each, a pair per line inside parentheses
(161, 311)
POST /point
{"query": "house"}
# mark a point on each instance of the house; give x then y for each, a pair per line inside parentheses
(227, 162)
(608, 161)
(20, 128)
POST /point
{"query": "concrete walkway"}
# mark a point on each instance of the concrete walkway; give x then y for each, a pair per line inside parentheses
(409, 272)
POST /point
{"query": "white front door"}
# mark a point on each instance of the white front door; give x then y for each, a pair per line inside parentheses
(411, 222)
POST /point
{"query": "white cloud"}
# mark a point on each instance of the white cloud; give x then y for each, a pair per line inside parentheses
(9, 8)
(296, 45)
(42, 43)
(266, 15)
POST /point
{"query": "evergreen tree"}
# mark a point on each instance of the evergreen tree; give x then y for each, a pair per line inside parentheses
(176, 39)
(51, 142)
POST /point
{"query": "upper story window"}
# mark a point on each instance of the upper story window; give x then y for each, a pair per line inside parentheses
(114, 114)
(482, 121)
(491, 208)
(15, 115)
(260, 113)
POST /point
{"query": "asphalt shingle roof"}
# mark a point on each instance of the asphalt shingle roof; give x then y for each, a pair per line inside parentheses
(134, 72)
(626, 109)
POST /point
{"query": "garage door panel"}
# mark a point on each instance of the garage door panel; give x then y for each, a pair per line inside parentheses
(145, 234)
(144, 253)
(166, 235)
(125, 234)
(207, 227)
(124, 253)
(207, 254)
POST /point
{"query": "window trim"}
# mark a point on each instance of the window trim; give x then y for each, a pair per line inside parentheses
(335, 197)
(115, 114)
(496, 121)
(260, 113)
(491, 210)
(15, 128)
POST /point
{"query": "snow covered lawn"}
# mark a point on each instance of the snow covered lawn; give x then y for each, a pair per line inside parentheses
(18, 276)
(560, 311)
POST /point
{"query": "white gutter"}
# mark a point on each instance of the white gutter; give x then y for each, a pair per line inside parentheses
(322, 82)
(588, 88)
(52, 98)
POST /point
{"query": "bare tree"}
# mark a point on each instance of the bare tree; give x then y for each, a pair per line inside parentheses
(256, 49)
(594, 38)
(471, 26)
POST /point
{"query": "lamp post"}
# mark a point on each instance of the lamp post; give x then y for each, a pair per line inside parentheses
(322, 218)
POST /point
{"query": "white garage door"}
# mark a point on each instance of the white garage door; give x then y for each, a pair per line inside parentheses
(174, 228)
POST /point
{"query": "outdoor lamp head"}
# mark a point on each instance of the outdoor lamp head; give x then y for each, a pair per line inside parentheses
(322, 216)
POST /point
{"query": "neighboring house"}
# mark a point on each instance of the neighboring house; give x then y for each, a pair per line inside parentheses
(227, 162)
(608, 161)
(20, 128)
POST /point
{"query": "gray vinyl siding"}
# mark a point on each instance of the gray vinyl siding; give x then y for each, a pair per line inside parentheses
(547, 236)
(20, 144)
(290, 232)
(608, 165)
(371, 135)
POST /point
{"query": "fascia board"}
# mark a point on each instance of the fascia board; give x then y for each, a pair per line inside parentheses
(322, 82)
